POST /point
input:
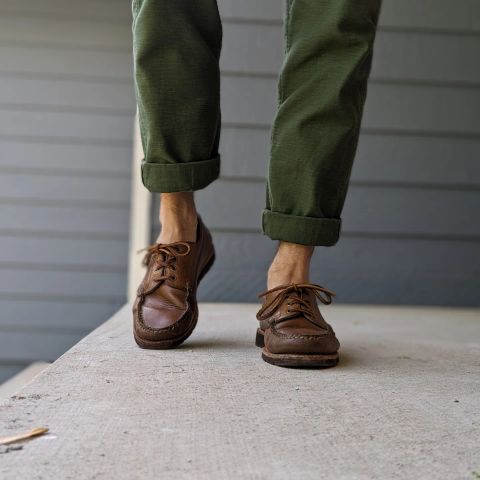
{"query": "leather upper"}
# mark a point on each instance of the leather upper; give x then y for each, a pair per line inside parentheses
(292, 322)
(166, 299)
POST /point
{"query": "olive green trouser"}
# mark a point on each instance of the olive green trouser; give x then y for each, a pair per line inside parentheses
(322, 89)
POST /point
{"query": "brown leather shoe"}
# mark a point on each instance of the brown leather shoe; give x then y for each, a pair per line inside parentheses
(292, 331)
(165, 311)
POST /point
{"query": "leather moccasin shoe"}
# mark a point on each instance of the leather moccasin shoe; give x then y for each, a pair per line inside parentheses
(292, 331)
(165, 311)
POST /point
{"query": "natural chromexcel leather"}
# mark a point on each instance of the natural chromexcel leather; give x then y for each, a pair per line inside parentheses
(165, 311)
(292, 323)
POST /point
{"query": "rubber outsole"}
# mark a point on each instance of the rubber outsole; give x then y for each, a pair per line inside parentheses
(290, 360)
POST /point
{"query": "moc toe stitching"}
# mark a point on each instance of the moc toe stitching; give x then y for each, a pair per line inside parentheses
(287, 336)
(179, 324)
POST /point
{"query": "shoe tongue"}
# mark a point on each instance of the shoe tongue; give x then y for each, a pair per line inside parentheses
(281, 311)
(292, 299)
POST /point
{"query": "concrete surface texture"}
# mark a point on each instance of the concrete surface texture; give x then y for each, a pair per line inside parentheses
(15, 383)
(404, 403)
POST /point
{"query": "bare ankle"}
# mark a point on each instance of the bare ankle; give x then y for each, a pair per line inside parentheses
(290, 265)
(178, 217)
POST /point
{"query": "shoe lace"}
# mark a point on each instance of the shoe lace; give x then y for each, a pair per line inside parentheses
(298, 301)
(165, 258)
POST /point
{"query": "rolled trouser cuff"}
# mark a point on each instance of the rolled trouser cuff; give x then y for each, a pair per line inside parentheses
(180, 177)
(304, 230)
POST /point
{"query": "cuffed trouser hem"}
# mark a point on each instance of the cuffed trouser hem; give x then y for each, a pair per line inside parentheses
(180, 177)
(304, 230)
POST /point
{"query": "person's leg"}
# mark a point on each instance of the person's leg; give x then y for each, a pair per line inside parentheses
(176, 61)
(176, 64)
(322, 90)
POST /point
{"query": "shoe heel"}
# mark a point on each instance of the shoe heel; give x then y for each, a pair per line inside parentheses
(260, 339)
(207, 267)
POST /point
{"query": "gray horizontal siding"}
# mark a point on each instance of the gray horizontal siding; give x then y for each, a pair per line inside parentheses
(26, 347)
(413, 158)
(399, 107)
(66, 95)
(74, 251)
(70, 283)
(373, 269)
(67, 62)
(48, 30)
(66, 115)
(90, 127)
(48, 315)
(106, 11)
(410, 225)
(104, 190)
(64, 219)
(432, 57)
(418, 57)
(41, 155)
(373, 210)
(426, 15)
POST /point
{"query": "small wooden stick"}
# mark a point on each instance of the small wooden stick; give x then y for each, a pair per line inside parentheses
(23, 436)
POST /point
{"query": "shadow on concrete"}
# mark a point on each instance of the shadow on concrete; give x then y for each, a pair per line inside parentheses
(217, 344)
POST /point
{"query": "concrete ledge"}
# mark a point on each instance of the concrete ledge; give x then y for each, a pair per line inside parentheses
(12, 385)
(402, 404)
